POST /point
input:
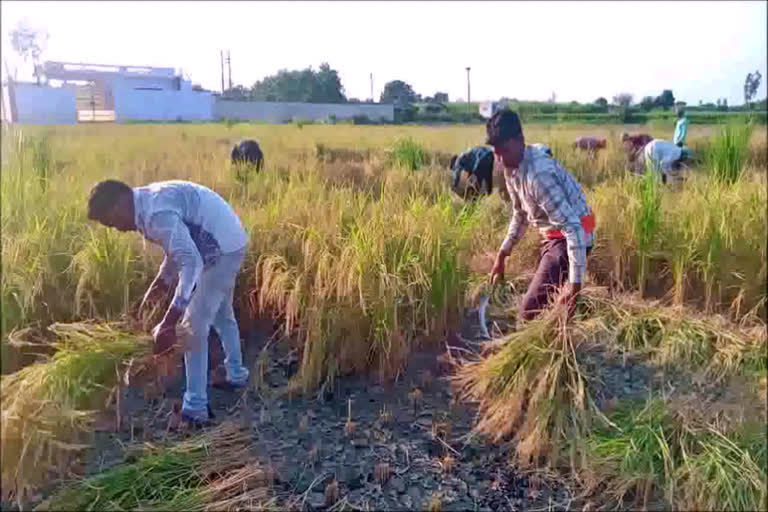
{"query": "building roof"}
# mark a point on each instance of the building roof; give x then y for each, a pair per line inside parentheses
(84, 71)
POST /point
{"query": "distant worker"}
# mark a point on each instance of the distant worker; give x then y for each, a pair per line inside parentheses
(589, 143)
(634, 143)
(547, 196)
(478, 164)
(661, 156)
(248, 152)
(681, 128)
(204, 244)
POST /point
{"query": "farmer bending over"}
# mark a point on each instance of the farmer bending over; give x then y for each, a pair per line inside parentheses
(204, 245)
(478, 164)
(662, 156)
(544, 194)
(634, 143)
(591, 144)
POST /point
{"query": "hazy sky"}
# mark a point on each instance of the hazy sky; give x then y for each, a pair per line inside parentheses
(524, 50)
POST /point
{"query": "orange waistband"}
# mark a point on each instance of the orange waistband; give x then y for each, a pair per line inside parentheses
(587, 222)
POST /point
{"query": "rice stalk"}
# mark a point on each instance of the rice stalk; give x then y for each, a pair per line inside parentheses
(49, 404)
(205, 472)
(533, 386)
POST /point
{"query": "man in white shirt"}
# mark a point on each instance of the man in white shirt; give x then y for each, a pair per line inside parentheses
(204, 244)
(662, 156)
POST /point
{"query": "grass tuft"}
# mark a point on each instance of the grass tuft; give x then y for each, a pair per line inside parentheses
(206, 472)
(729, 151)
(408, 154)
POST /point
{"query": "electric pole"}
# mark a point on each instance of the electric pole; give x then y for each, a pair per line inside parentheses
(373, 100)
(469, 104)
(222, 72)
(229, 65)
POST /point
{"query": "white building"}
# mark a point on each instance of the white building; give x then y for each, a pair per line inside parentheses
(77, 92)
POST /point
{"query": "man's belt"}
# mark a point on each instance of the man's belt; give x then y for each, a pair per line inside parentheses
(587, 222)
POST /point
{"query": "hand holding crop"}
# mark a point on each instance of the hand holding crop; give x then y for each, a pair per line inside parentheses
(569, 297)
(164, 333)
(157, 291)
(497, 271)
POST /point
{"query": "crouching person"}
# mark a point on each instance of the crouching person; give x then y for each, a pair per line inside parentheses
(591, 144)
(478, 164)
(204, 244)
(663, 157)
(544, 194)
(248, 152)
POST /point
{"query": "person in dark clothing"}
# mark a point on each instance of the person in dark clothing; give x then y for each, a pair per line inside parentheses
(248, 152)
(478, 163)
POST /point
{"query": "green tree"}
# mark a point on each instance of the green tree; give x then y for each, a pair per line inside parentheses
(327, 86)
(647, 103)
(751, 85)
(237, 92)
(398, 92)
(306, 85)
(666, 100)
(623, 101)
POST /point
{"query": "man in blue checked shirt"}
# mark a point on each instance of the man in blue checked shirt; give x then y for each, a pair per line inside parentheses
(204, 245)
(547, 196)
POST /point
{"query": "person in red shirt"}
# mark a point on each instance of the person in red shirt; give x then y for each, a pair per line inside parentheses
(589, 143)
(635, 143)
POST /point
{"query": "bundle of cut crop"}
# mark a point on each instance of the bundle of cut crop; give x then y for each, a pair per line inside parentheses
(50, 404)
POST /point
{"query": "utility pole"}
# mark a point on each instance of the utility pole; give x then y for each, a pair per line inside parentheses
(222, 72)
(14, 113)
(373, 100)
(229, 65)
(469, 104)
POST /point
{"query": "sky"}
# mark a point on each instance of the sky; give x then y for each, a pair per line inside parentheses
(525, 50)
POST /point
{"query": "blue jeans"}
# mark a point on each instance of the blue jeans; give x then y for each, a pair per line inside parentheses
(211, 306)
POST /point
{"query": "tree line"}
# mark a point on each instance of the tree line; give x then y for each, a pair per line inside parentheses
(324, 86)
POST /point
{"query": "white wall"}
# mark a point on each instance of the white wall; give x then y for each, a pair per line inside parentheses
(149, 81)
(45, 105)
(50, 105)
(274, 112)
(185, 105)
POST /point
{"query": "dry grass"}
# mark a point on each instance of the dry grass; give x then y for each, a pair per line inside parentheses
(534, 387)
(382, 472)
(435, 503)
(48, 405)
(331, 493)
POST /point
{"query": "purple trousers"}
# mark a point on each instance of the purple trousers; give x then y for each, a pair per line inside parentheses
(551, 274)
